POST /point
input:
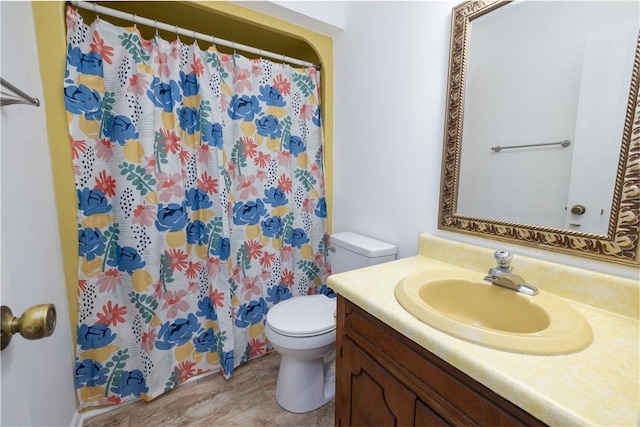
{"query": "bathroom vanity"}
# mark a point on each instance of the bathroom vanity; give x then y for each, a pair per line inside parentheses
(393, 369)
(383, 378)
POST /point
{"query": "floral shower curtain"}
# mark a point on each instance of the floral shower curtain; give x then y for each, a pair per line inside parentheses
(200, 205)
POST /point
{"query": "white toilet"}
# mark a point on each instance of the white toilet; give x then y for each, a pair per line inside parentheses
(303, 329)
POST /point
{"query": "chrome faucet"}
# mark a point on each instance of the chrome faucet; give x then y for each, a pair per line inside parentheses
(502, 275)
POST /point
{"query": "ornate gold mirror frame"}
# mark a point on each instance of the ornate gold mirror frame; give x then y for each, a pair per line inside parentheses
(620, 245)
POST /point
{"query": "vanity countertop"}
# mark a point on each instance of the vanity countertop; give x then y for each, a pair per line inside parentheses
(596, 386)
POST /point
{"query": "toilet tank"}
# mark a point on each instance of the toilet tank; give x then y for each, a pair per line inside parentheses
(350, 251)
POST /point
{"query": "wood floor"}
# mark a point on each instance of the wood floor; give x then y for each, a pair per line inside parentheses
(246, 399)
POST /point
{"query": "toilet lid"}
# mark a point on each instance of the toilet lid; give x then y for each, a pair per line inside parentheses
(303, 316)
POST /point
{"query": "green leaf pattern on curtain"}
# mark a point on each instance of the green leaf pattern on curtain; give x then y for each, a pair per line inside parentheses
(200, 205)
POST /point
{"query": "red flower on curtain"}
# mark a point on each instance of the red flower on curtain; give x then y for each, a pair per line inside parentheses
(77, 146)
(106, 184)
(176, 259)
(285, 183)
(257, 347)
(282, 85)
(255, 249)
(186, 370)
(262, 160)
(217, 298)
(208, 184)
(193, 269)
(98, 46)
(112, 314)
(287, 278)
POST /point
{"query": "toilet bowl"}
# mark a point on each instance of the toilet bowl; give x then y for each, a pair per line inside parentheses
(303, 329)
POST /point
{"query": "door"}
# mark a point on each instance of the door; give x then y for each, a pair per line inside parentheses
(36, 376)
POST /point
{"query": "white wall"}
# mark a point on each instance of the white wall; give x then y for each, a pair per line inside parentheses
(37, 376)
(391, 72)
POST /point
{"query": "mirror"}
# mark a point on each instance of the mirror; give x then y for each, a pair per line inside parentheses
(542, 130)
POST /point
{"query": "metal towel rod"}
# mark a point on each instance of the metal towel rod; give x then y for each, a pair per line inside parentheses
(563, 143)
(18, 97)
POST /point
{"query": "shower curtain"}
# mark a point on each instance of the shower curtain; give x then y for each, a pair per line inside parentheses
(201, 204)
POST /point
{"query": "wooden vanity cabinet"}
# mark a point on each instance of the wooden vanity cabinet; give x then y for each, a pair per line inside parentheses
(385, 379)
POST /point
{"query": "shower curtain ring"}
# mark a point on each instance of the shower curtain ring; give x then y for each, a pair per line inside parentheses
(177, 34)
(95, 10)
(155, 25)
(135, 25)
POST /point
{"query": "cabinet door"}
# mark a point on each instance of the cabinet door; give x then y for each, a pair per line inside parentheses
(370, 396)
(425, 416)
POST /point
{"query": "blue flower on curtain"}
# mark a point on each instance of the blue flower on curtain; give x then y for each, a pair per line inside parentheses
(189, 84)
(227, 361)
(297, 238)
(89, 373)
(278, 293)
(206, 309)
(200, 205)
(212, 134)
(172, 217)
(82, 100)
(164, 95)
(272, 227)
(132, 383)
(295, 145)
(206, 341)
(244, 107)
(189, 119)
(85, 63)
(251, 313)
(275, 197)
(316, 120)
(90, 242)
(94, 336)
(271, 96)
(268, 126)
(126, 259)
(91, 201)
(248, 213)
(321, 208)
(120, 129)
(197, 233)
(221, 248)
(177, 333)
(198, 199)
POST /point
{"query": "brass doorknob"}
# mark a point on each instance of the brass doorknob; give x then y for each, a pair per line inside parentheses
(578, 209)
(36, 322)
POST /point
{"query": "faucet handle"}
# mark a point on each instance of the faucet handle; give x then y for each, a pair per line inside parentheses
(503, 258)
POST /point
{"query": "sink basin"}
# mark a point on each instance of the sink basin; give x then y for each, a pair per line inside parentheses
(461, 304)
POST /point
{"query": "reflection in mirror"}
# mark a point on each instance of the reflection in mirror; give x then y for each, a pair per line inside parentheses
(545, 154)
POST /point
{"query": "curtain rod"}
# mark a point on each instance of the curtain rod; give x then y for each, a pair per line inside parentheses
(189, 33)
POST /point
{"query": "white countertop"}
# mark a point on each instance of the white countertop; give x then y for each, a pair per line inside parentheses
(596, 386)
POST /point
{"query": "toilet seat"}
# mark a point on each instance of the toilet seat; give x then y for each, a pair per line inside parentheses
(306, 316)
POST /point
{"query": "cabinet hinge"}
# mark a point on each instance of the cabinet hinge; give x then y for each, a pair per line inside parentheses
(340, 351)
